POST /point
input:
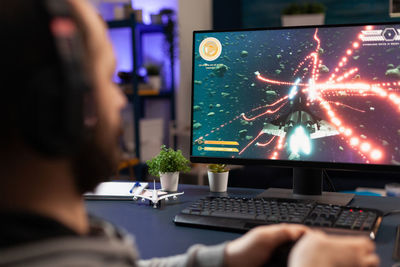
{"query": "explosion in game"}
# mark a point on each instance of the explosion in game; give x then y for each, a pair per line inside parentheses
(317, 94)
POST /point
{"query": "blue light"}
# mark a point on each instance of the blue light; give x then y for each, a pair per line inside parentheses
(293, 90)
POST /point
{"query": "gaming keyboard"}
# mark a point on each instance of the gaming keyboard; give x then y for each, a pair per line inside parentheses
(242, 214)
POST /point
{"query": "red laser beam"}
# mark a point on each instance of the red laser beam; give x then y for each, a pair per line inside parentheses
(269, 111)
(252, 141)
(267, 143)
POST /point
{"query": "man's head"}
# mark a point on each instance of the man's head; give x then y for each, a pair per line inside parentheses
(35, 79)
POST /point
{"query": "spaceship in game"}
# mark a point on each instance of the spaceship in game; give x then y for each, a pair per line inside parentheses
(299, 124)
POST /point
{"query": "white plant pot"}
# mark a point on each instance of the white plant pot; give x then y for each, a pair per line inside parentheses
(154, 82)
(169, 181)
(218, 181)
(303, 19)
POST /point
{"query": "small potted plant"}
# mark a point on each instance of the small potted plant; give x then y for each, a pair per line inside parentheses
(166, 14)
(218, 177)
(153, 76)
(167, 165)
(303, 14)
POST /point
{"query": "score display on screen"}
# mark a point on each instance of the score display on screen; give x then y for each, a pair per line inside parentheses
(326, 94)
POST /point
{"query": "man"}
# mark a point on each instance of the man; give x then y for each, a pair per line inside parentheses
(43, 217)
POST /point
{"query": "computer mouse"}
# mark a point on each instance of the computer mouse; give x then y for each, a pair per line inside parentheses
(280, 255)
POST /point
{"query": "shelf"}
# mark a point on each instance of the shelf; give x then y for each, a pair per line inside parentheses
(136, 93)
(161, 94)
(127, 163)
(153, 93)
(149, 93)
(144, 28)
(119, 23)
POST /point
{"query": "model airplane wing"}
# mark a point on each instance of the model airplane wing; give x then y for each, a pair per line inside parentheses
(148, 194)
(170, 195)
(273, 130)
(325, 129)
(143, 197)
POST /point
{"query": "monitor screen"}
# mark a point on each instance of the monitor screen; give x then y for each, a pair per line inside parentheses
(298, 95)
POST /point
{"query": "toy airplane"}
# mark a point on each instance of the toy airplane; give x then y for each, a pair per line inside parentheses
(154, 195)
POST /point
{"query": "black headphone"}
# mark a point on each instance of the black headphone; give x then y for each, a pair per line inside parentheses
(60, 94)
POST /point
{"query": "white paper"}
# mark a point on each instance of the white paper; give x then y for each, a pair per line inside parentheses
(117, 189)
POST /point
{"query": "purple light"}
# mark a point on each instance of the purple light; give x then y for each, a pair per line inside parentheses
(121, 40)
(153, 7)
(154, 46)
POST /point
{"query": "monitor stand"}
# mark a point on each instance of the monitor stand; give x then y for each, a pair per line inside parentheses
(307, 184)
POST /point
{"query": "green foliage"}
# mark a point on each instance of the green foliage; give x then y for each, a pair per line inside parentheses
(304, 8)
(169, 20)
(166, 11)
(216, 168)
(152, 70)
(168, 160)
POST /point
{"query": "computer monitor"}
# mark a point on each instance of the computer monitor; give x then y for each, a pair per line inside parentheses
(310, 98)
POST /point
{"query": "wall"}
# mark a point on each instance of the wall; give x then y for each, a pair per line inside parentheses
(260, 13)
(193, 15)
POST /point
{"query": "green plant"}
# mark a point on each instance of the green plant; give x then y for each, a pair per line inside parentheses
(169, 21)
(304, 8)
(168, 160)
(152, 69)
(217, 168)
(166, 11)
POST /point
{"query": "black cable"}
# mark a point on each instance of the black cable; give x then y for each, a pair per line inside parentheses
(391, 212)
(328, 179)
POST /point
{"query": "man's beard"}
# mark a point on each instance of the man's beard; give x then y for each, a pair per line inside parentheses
(96, 160)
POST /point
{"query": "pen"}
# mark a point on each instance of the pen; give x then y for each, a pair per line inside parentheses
(133, 187)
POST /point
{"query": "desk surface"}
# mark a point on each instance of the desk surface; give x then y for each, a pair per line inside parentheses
(157, 236)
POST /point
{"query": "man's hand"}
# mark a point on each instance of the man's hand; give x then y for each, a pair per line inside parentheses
(255, 247)
(318, 249)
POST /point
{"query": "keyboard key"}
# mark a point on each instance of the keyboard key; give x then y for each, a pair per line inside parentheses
(186, 211)
(233, 215)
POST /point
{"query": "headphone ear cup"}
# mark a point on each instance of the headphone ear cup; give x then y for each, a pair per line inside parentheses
(43, 114)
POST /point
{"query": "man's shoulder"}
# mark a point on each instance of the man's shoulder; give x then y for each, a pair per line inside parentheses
(22, 227)
(34, 240)
(71, 251)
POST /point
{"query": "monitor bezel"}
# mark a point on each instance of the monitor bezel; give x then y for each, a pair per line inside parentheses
(279, 162)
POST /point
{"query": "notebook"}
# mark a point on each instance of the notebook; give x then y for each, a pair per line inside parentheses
(116, 190)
